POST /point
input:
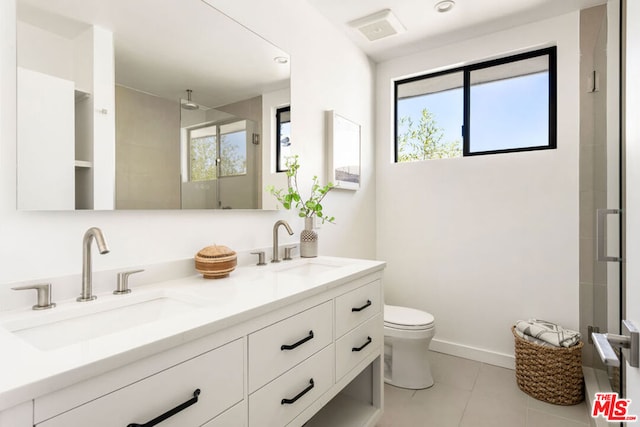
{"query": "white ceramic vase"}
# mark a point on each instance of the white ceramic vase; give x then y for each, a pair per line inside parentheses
(308, 240)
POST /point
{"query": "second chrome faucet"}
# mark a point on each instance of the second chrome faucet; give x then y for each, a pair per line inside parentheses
(275, 257)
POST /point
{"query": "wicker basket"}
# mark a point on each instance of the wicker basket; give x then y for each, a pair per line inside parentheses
(550, 374)
(215, 262)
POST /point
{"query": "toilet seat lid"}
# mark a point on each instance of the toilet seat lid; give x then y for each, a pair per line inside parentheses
(405, 316)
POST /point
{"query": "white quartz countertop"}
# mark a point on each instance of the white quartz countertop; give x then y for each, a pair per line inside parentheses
(27, 371)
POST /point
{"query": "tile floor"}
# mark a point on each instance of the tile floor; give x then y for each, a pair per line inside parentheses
(474, 394)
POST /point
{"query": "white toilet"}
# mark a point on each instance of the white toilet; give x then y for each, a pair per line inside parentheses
(407, 334)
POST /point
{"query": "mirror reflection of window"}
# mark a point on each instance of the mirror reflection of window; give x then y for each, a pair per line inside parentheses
(229, 140)
(233, 149)
(283, 136)
(203, 149)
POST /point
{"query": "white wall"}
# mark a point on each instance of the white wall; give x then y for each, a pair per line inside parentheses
(104, 120)
(483, 241)
(328, 72)
(45, 52)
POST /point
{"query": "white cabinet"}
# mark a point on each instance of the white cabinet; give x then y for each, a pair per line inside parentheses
(18, 416)
(280, 401)
(233, 417)
(277, 348)
(359, 334)
(208, 384)
(45, 152)
(355, 346)
(358, 305)
(352, 361)
(296, 363)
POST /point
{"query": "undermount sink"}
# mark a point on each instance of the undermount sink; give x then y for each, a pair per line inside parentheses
(60, 328)
(308, 268)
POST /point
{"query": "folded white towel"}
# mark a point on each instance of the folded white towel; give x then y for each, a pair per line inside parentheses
(548, 332)
(533, 340)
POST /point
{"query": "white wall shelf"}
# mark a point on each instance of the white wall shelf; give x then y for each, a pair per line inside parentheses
(82, 164)
(81, 95)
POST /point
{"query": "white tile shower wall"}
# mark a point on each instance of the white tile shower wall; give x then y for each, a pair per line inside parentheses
(593, 34)
(485, 240)
(147, 128)
(328, 72)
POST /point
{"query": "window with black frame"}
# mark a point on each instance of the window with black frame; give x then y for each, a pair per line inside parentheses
(283, 137)
(498, 106)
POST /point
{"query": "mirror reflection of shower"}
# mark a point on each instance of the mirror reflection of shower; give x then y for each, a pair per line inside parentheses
(218, 156)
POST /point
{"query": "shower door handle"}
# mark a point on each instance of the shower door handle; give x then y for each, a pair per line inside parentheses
(601, 230)
(628, 342)
(605, 350)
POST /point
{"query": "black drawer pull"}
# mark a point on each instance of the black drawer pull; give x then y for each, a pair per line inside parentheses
(294, 345)
(363, 307)
(299, 395)
(363, 345)
(170, 413)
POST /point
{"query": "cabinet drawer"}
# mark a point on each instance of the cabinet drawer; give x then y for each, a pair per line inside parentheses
(233, 417)
(303, 334)
(267, 407)
(218, 374)
(354, 347)
(356, 306)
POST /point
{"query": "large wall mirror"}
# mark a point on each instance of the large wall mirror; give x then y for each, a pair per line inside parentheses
(145, 104)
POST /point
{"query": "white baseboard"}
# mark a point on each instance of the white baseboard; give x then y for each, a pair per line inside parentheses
(473, 353)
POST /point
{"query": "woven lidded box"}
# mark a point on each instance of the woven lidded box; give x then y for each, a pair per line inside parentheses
(215, 262)
(550, 374)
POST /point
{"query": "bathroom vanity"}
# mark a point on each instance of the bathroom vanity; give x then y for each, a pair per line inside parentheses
(280, 345)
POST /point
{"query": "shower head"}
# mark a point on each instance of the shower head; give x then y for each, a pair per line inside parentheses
(190, 105)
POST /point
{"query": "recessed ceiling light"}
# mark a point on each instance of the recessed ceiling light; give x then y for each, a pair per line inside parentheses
(444, 6)
(281, 59)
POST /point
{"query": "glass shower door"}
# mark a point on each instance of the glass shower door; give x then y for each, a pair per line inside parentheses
(600, 184)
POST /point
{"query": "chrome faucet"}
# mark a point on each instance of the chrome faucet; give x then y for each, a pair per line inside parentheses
(275, 257)
(87, 291)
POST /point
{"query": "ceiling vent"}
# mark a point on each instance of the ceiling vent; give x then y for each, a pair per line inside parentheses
(378, 25)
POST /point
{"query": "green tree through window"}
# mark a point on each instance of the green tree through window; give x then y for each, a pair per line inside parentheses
(503, 105)
(424, 140)
(203, 158)
(212, 158)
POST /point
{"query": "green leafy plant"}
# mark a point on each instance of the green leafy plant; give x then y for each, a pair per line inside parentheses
(424, 141)
(290, 197)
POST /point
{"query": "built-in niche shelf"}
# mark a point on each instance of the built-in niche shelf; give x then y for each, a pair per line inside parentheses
(81, 95)
(83, 164)
(83, 149)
